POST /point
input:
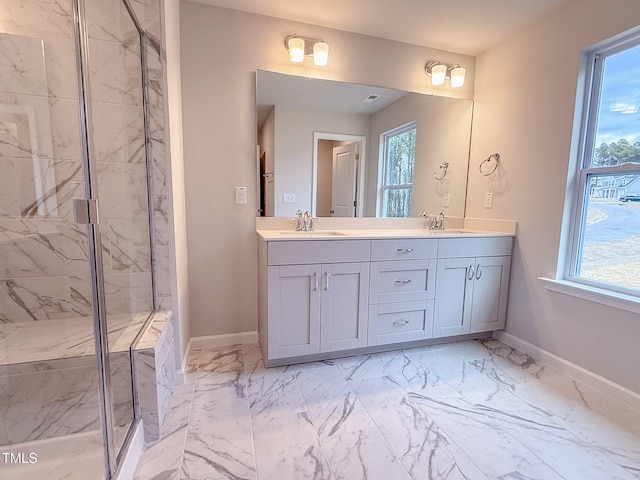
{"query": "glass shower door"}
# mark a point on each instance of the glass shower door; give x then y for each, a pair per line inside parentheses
(49, 379)
(120, 168)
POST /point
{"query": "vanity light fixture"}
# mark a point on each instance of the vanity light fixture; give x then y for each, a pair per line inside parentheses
(295, 46)
(439, 72)
(300, 47)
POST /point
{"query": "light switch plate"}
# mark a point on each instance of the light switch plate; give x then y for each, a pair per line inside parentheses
(488, 200)
(241, 195)
(288, 197)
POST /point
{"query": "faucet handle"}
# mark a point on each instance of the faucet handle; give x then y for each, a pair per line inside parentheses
(422, 214)
(299, 213)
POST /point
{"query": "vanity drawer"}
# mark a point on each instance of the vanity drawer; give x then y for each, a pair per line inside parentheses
(402, 281)
(404, 249)
(400, 322)
(299, 252)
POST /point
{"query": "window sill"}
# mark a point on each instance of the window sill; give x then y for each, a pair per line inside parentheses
(593, 294)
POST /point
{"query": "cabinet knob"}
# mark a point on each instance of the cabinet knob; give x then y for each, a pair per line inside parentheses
(399, 323)
(405, 250)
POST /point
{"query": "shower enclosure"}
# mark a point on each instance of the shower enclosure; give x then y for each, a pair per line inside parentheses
(81, 131)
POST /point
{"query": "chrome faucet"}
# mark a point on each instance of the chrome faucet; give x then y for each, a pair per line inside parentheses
(436, 222)
(304, 223)
(299, 221)
(307, 222)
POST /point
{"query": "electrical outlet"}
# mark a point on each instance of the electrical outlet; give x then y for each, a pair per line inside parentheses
(241, 195)
(446, 199)
(488, 200)
(288, 198)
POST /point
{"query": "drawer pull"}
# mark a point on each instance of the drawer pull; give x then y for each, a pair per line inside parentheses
(399, 323)
(402, 282)
(478, 272)
(471, 272)
(405, 250)
(315, 279)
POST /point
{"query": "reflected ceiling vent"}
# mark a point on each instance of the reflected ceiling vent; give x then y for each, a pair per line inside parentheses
(372, 97)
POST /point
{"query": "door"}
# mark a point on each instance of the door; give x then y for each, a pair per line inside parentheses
(454, 294)
(343, 184)
(344, 310)
(490, 293)
(294, 304)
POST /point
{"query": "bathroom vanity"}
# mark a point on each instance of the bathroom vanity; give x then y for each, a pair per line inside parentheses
(331, 293)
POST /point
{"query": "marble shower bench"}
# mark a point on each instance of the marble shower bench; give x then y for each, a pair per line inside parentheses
(55, 365)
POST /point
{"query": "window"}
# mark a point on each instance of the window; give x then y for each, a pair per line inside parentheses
(605, 239)
(397, 161)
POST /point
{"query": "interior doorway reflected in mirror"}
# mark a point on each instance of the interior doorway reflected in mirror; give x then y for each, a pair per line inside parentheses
(338, 175)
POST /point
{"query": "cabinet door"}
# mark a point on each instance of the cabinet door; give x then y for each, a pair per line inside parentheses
(344, 309)
(491, 280)
(454, 291)
(294, 310)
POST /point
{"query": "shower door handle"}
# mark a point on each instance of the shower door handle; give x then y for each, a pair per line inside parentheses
(85, 211)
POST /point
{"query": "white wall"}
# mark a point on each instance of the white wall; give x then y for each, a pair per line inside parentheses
(180, 280)
(220, 53)
(524, 108)
(294, 151)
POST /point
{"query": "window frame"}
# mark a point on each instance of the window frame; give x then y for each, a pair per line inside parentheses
(385, 137)
(579, 187)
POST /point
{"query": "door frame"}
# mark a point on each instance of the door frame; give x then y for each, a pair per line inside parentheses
(360, 175)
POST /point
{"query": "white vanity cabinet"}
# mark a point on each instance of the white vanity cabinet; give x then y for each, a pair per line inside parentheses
(368, 291)
(316, 296)
(401, 290)
(472, 285)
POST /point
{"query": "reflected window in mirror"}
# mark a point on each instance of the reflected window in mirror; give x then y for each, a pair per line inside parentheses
(397, 162)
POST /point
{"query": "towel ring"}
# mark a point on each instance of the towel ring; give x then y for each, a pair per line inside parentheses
(496, 157)
(443, 166)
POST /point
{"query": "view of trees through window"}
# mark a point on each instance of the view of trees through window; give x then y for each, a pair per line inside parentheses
(400, 154)
(609, 245)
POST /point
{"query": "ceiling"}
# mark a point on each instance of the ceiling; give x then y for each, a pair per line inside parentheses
(464, 26)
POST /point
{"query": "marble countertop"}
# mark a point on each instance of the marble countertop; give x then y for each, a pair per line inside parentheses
(372, 234)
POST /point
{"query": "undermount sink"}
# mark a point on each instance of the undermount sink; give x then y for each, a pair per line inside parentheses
(313, 233)
(452, 231)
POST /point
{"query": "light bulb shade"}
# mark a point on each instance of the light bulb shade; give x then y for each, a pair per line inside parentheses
(296, 49)
(438, 74)
(457, 77)
(320, 53)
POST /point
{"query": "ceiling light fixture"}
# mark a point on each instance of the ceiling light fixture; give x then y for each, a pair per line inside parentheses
(439, 72)
(300, 47)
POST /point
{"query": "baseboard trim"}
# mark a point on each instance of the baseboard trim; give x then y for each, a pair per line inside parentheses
(620, 393)
(224, 340)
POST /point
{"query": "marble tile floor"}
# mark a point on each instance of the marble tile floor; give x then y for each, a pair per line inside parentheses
(467, 410)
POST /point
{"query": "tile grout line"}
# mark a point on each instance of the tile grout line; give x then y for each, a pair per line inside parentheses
(315, 428)
(248, 405)
(192, 395)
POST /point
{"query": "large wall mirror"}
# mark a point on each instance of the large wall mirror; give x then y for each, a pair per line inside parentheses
(340, 149)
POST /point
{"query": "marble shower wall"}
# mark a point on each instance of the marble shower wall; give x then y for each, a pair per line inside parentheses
(43, 251)
(44, 274)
